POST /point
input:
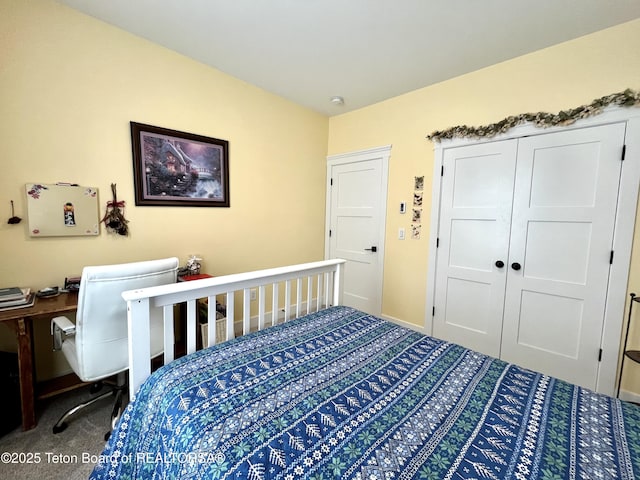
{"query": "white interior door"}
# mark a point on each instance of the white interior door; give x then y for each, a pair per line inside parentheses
(356, 208)
(564, 213)
(475, 218)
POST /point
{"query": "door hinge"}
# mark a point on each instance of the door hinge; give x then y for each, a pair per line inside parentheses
(437, 242)
(624, 152)
(600, 355)
(611, 258)
(433, 311)
(442, 171)
(329, 232)
(331, 182)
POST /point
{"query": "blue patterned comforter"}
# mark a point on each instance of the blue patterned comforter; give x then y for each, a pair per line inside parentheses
(342, 394)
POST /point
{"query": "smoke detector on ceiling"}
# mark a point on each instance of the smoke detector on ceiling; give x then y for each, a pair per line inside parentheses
(337, 100)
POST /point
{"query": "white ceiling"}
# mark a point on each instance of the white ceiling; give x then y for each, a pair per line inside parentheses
(363, 50)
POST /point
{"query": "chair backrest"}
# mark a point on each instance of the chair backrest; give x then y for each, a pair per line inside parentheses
(101, 320)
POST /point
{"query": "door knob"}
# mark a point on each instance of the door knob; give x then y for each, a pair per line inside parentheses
(372, 249)
(516, 266)
(499, 264)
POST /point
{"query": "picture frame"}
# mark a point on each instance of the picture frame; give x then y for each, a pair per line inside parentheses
(173, 168)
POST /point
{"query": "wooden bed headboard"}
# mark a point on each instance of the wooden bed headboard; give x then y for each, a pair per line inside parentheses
(326, 275)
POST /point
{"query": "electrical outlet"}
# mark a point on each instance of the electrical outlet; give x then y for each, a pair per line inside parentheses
(401, 233)
(254, 293)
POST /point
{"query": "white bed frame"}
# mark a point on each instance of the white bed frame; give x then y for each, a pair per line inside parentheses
(141, 302)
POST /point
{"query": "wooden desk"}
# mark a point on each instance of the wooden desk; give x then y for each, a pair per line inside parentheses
(20, 321)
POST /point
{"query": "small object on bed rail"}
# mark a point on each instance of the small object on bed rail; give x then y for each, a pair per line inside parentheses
(142, 304)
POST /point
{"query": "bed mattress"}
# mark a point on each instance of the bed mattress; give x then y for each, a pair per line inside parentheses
(343, 394)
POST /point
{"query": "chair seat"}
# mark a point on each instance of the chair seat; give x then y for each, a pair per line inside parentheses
(91, 369)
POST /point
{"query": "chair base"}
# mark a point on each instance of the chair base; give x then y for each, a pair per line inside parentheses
(116, 412)
(117, 390)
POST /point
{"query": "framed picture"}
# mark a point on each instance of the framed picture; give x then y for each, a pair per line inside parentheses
(172, 168)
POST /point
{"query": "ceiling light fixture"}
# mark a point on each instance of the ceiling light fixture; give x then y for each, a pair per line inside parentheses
(337, 100)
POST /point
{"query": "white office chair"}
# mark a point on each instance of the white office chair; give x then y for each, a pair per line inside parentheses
(96, 346)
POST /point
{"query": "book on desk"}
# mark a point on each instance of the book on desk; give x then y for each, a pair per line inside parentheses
(16, 298)
(11, 293)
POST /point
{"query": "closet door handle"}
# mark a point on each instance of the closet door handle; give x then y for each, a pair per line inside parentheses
(499, 264)
(516, 266)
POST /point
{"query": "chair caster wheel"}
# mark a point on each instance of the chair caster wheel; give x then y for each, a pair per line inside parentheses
(60, 428)
(95, 388)
(106, 436)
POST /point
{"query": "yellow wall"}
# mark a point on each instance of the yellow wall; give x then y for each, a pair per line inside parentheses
(564, 76)
(70, 85)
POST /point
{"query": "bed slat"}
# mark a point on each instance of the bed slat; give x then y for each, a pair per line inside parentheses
(337, 284)
(287, 299)
(169, 337)
(261, 298)
(274, 305)
(246, 311)
(326, 289)
(212, 331)
(191, 326)
(298, 297)
(230, 316)
(318, 292)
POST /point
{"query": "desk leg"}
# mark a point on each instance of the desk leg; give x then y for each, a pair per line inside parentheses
(22, 328)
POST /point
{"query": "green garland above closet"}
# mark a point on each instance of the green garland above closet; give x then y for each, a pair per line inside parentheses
(628, 98)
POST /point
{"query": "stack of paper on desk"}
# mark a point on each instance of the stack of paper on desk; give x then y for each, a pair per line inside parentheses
(14, 297)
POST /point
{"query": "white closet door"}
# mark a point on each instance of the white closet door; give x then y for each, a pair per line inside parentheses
(564, 210)
(475, 219)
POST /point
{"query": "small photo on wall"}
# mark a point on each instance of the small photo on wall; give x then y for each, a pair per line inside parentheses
(417, 199)
(415, 232)
(417, 215)
(418, 183)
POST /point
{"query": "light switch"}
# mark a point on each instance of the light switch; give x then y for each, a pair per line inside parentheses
(403, 207)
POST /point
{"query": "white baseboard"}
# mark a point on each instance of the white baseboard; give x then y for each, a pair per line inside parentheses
(404, 323)
(629, 396)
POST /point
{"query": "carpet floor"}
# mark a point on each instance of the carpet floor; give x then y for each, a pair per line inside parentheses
(38, 453)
